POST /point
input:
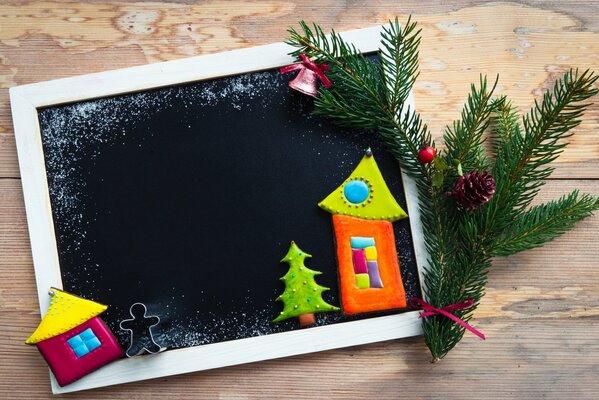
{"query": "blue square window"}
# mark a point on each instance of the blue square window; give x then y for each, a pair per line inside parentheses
(83, 343)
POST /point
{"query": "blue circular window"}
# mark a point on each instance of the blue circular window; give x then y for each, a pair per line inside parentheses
(356, 191)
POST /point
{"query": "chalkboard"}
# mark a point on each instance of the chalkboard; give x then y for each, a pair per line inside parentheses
(180, 185)
(186, 197)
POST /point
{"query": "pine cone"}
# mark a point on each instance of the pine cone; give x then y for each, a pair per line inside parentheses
(473, 189)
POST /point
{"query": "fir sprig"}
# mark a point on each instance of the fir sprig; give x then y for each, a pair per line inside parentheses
(399, 62)
(544, 222)
(524, 154)
(373, 96)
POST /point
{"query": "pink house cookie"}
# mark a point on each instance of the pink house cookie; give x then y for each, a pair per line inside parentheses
(73, 339)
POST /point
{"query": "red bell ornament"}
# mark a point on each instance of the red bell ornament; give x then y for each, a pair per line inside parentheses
(306, 80)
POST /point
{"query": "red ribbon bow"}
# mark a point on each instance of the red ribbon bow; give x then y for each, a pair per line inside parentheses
(318, 69)
(430, 310)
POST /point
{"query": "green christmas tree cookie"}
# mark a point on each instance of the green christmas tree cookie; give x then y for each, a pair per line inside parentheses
(302, 296)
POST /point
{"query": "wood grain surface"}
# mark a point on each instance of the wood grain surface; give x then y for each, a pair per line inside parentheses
(541, 311)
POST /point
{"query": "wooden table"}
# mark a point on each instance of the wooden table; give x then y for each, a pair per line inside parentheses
(541, 311)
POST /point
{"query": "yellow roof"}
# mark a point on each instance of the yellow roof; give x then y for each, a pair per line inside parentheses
(66, 312)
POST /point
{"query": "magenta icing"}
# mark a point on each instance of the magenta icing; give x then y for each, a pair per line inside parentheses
(359, 260)
(63, 361)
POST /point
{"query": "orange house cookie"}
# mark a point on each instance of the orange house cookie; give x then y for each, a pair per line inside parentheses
(363, 210)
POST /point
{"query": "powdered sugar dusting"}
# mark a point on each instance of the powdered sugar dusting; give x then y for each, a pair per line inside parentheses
(175, 331)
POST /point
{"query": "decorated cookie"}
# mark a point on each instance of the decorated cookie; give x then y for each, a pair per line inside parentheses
(73, 339)
(302, 296)
(140, 328)
(363, 209)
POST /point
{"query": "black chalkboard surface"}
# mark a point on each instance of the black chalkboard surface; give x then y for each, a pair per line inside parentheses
(185, 198)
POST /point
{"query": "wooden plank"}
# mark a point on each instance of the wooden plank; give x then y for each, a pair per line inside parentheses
(528, 46)
(541, 317)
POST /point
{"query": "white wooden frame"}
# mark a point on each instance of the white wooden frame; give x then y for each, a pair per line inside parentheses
(25, 100)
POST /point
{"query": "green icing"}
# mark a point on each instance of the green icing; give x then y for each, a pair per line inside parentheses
(379, 204)
(302, 294)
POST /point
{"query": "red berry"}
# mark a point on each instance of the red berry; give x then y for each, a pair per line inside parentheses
(427, 154)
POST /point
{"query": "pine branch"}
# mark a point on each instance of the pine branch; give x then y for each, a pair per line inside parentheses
(399, 61)
(372, 96)
(522, 160)
(545, 222)
(464, 140)
(504, 122)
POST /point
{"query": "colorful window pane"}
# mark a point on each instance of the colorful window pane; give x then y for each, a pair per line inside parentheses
(84, 342)
(364, 257)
